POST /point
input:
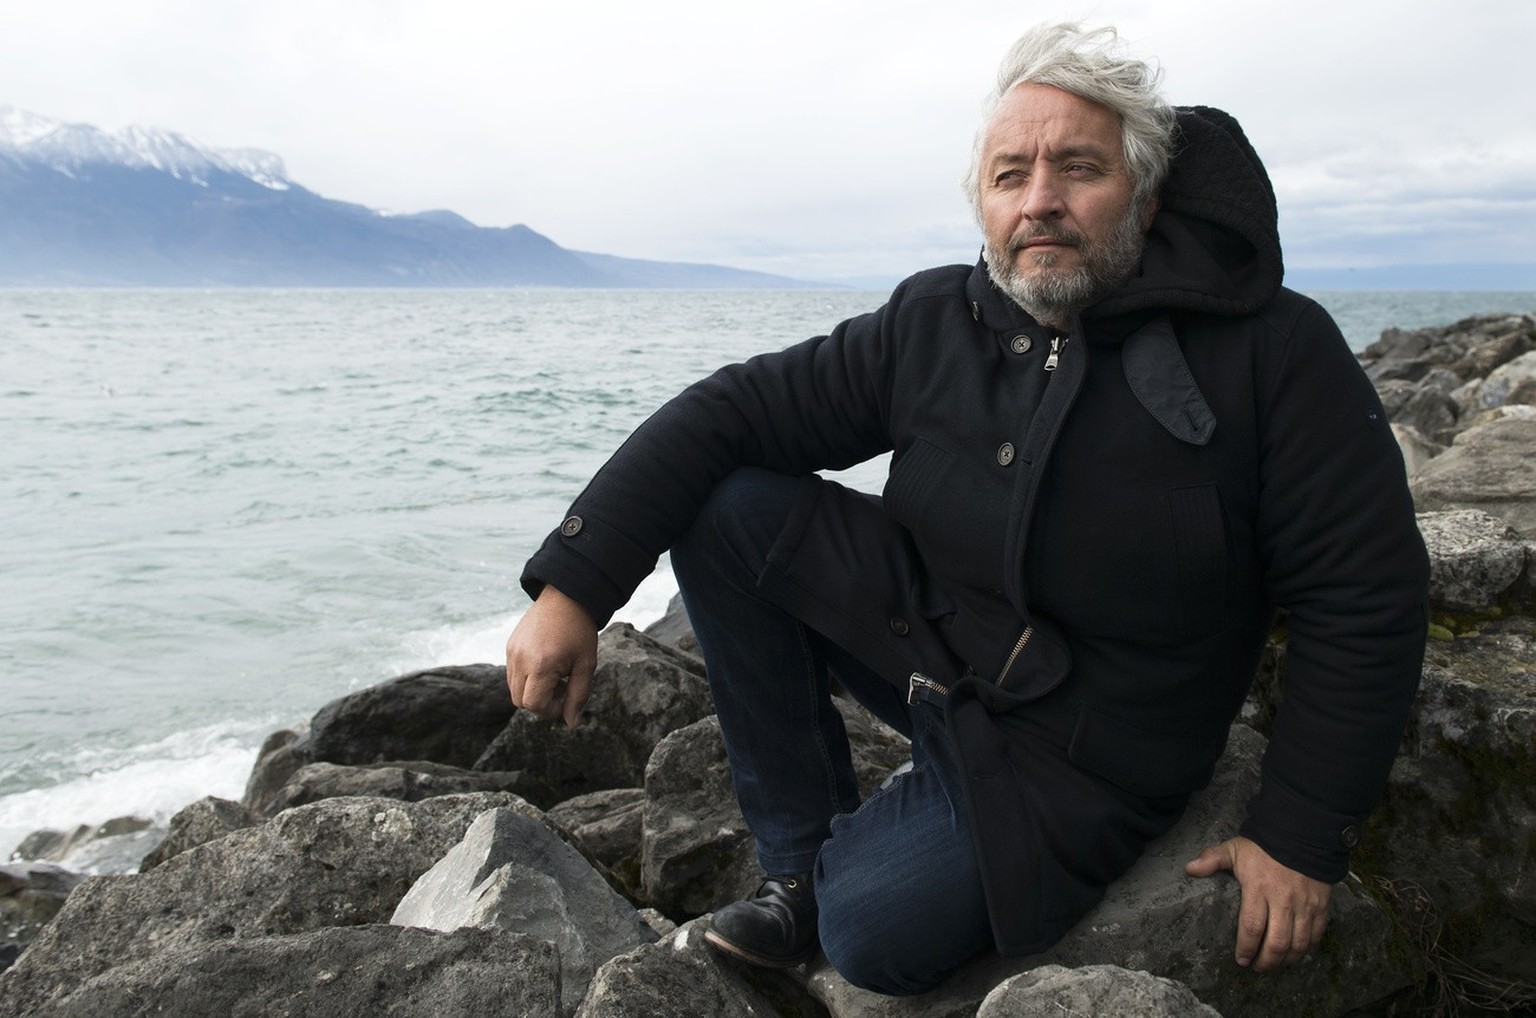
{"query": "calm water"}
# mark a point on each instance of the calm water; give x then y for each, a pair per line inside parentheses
(222, 509)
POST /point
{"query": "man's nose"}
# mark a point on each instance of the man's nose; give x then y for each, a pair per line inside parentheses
(1042, 198)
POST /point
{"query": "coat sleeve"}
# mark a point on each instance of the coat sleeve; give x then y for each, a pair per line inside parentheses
(821, 404)
(1343, 556)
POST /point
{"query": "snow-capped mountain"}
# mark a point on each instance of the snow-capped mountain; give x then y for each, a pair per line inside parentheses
(146, 207)
(69, 147)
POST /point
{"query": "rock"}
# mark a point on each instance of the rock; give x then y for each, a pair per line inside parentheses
(1505, 380)
(30, 895)
(280, 757)
(341, 862)
(207, 819)
(674, 628)
(1459, 815)
(682, 977)
(116, 846)
(1470, 348)
(1052, 992)
(382, 971)
(1488, 467)
(1416, 449)
(607, 825)
(1158, 920)
(407, 781)
(445, 715)
(697, 852)
(642, 690)
(512, 873)
(1474, 558)
(1429, 411)
(49, 845)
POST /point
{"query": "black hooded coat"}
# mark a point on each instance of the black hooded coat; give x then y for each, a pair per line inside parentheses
(1087, 560)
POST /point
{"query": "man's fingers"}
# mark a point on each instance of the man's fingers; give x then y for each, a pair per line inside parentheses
(1211, 861)
(1252, 925)
(1279, 944)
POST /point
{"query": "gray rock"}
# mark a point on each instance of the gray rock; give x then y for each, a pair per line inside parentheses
(1416, 449)
(1488, 467)
(1158, 920)
(1470, 348)
(642, 690)
(1459, 816)
(341, 862)
(1052, 992)
(50, 845)
(697, 852)
(31, 894)
(1505, 380)
(205, 820)
(682, 977)
(674, 627)
(512, 873)
(445, 715)
(1474, 558)
(607, 825)
(407, 781)
(382, 971)
(280, 757)
(115, 846)
(1429, 411)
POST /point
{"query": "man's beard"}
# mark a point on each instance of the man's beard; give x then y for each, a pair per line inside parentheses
(1052, 296)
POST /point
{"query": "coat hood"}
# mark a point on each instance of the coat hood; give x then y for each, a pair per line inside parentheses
(1214, 244)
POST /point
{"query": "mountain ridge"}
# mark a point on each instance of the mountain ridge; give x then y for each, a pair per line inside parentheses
(80, 206)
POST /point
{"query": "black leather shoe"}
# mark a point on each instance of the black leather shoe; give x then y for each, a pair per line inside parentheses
(775, 928)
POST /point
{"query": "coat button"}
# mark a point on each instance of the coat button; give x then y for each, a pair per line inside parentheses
(1349, 837)
(571, 527)
(1005, 454)
(899, 626)
(1021, 344)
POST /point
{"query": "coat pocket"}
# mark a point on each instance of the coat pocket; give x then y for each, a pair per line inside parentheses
(1140, 760)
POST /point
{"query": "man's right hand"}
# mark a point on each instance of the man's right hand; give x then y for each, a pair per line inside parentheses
(551, 655)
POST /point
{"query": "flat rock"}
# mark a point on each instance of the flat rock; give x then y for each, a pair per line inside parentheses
(1052, 991)
(407, 781)
(445, 715)
(1489, 467)
(1474, 558)
(207, 819)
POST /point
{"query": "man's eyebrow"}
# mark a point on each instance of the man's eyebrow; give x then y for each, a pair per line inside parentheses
(1076, 151)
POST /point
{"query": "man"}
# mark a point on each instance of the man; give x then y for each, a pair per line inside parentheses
(1119, 445)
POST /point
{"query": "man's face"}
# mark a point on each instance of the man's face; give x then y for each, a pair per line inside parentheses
(1056, 201)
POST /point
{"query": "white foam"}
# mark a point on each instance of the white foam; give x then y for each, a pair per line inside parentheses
(152, 781)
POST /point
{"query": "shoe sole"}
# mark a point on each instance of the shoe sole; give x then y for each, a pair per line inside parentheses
(718, 942)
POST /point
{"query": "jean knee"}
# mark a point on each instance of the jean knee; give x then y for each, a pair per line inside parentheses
(743, 515)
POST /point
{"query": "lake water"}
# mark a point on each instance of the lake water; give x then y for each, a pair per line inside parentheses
(222, 509)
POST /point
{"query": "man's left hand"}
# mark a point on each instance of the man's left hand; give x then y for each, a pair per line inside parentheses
(1283, 912)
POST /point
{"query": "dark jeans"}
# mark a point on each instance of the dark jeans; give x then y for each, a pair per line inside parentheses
(896, 881)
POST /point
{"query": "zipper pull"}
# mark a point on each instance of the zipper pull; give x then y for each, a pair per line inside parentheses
(920, 689)
(1051, 360)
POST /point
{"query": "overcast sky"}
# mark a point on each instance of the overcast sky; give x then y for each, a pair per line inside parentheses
(809, 137)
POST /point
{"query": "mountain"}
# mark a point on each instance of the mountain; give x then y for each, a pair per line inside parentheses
(83, 207)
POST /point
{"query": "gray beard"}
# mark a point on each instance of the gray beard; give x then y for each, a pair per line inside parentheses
(1053, 297)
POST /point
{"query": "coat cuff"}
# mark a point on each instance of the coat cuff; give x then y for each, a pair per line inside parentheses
(570, 558)
(1298, 833)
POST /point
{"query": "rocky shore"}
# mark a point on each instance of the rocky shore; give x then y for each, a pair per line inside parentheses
(419, 848)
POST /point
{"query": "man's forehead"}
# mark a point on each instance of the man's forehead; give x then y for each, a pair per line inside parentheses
(1031, 116)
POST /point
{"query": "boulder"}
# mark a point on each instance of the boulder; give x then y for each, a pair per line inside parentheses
(1488, 467)
(31, 894)
(1470, 348)
(1458, 821)
(445, 715)
(675, 628)
(512, 873)
(1416, 449)
(115, 846)
(1501, 384)
(642, 690)
(1052, 992)
(682, 977)
(1158, 920)
(1474, 559)
(207, 819)
(341, 862)
(607, 825)
(1430, 411)
(407, 781)
(379, 971)
(280, 757)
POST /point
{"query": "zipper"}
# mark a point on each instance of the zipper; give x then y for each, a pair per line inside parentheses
(920, 682)
(1024, 638)
(1054, 357)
